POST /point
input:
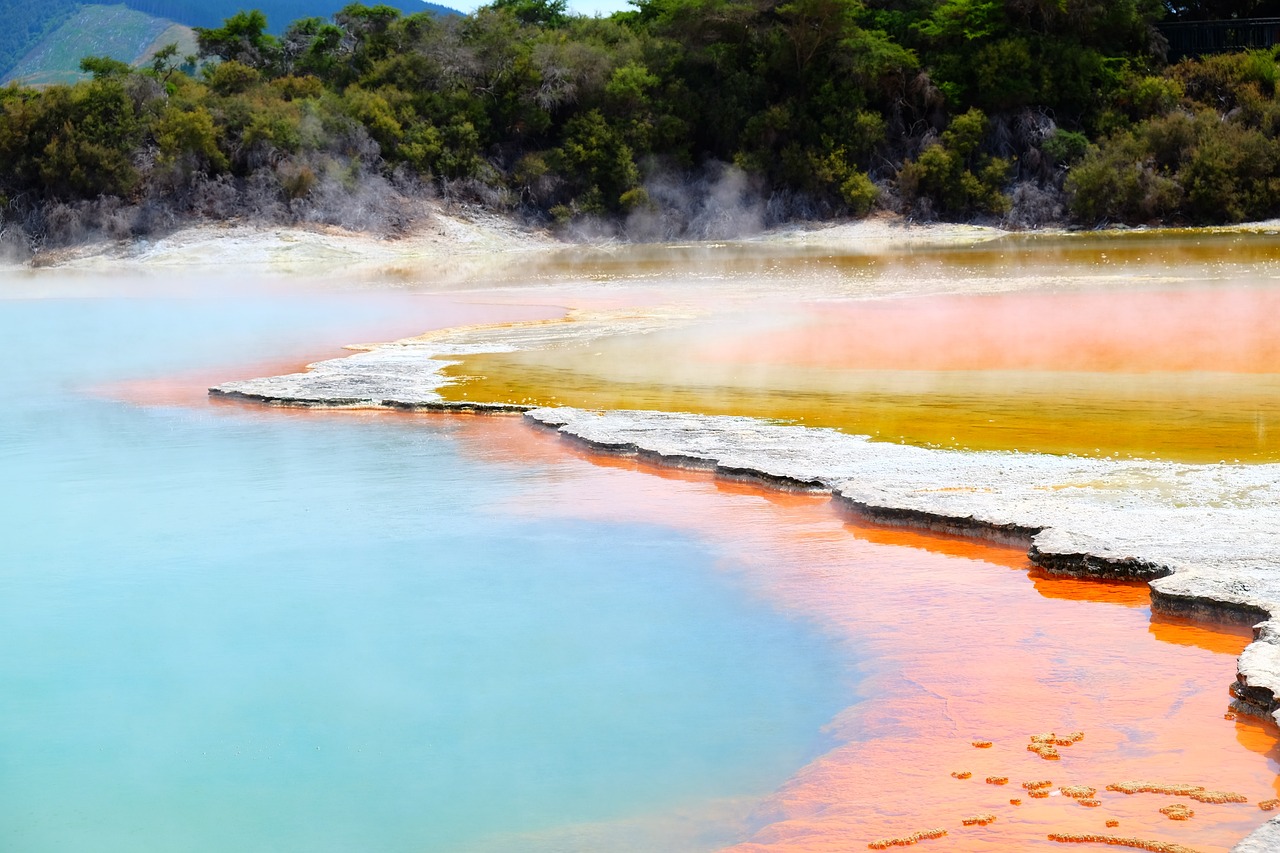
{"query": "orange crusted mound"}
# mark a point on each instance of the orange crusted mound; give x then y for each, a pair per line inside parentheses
(997, 780)
(979, 819)
(1089, 803)
(1053, 739)
(1269, 805)
(1195, 792)
(961, 774)
(1121, 841)
(1036, 786)
(982, 744)
(1015, 802)
(1112, 824)
(907, 840)
(1078, 792)
(1177, 811)
(1044, 750)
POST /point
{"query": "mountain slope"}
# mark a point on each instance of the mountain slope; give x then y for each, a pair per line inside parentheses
(115, 31)
(280, 13)
(26, 24)
(39, 41)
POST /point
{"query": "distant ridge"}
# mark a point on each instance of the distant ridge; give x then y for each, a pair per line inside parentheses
(43, 42)
(115, 31)
(280, 13)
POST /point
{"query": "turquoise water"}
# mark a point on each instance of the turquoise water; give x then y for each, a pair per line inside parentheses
(225, 628)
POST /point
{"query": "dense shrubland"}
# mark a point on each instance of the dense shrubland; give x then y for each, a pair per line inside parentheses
(680, 117)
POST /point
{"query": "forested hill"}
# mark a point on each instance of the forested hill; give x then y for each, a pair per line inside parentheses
(677, 118)
(280, 13)
(27, 23)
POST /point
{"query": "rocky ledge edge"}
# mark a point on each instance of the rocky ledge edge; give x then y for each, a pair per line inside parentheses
(1205, 537)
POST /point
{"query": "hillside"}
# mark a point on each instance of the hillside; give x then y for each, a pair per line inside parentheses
(211, 13)
(115, 31)
(44, 42)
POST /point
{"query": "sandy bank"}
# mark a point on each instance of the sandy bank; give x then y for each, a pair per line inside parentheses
(465, 240)
(468, 240)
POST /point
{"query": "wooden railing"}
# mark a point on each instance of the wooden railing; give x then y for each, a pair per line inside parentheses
(1196, 38)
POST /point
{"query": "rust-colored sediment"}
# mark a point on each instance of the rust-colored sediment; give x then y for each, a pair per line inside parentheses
(1210, 329)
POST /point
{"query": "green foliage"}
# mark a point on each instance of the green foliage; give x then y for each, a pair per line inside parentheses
(539, 13)
(71, 142)
(101, 67)
(1065, 146)
(859, 193)
(242, 38)
(188, 141)
(963, 20)
(953, 177)
(231, 77)
(595, 158)
(1120, 182)
(829, 102)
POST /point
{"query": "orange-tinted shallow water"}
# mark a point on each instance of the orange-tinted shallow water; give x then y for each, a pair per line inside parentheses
(956, 642)
(1191, 374)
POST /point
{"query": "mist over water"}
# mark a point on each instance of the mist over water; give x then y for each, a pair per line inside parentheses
(1144, 345)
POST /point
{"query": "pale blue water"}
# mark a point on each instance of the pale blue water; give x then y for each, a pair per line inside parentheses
(232, 629)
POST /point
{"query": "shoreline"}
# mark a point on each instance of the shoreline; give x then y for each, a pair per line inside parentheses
(786, 464)
(468, 240)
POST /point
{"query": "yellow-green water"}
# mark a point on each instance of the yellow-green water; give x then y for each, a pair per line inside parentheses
(1146, 345)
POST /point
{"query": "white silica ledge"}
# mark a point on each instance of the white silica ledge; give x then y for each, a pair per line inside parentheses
(1206, 537)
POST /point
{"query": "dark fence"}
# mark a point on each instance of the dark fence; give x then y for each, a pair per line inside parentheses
(1196, 38)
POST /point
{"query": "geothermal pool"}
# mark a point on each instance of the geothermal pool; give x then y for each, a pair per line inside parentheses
(234, 626)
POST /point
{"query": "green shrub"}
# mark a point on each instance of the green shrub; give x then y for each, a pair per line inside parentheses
(1119, 181)
(1065, 146)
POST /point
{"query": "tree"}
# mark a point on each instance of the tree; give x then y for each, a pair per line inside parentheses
(242, 38)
